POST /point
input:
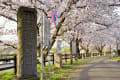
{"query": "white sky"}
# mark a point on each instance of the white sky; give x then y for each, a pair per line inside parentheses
(117, 10)
(8, 37)
(8, 25)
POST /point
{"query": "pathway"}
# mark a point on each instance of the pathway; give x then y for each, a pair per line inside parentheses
(98, 69)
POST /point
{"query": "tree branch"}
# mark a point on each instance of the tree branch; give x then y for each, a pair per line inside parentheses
(8, 17)
(7, 44)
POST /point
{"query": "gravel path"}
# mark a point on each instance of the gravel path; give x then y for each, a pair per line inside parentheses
(98, 69)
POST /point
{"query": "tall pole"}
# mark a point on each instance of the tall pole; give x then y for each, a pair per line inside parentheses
(42, 45)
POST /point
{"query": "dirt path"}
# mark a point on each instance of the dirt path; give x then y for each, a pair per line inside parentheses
(98, 69)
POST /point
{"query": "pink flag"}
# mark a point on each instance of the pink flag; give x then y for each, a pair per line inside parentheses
(52, 15)
(74, 30)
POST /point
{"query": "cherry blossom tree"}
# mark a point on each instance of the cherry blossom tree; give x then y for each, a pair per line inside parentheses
(91, 18)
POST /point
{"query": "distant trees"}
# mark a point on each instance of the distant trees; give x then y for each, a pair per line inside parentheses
(99, 47)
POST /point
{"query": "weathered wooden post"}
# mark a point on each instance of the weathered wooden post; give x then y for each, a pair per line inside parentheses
(44, 61)
(15, 65)
(53, 58)
(27, 44)
(58, 57)
(66, 58)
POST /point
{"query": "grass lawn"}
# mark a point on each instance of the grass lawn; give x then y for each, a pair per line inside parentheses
(7, 75)
(115, 58)
(56, 73)
(64, 50)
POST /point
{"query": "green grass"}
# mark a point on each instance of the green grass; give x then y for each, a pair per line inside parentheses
(64, 72)
(53, 50)
(7, 75)
(58, 73)
(63, 50)
(115, 57)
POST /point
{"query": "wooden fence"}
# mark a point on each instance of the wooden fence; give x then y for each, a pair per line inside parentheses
(65, 57)
(51, 59)
(7, 59)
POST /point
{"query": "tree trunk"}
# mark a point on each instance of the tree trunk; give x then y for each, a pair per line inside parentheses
(71, 60)
(118, 51)
(77, 46)
(87, 54)
(53, 39)
(100, 53)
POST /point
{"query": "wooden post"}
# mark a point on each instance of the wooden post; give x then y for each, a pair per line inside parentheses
(58, 60)
(118, 52)
(53, 58)
(71, 60)
(66, 58)
(15, 64)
